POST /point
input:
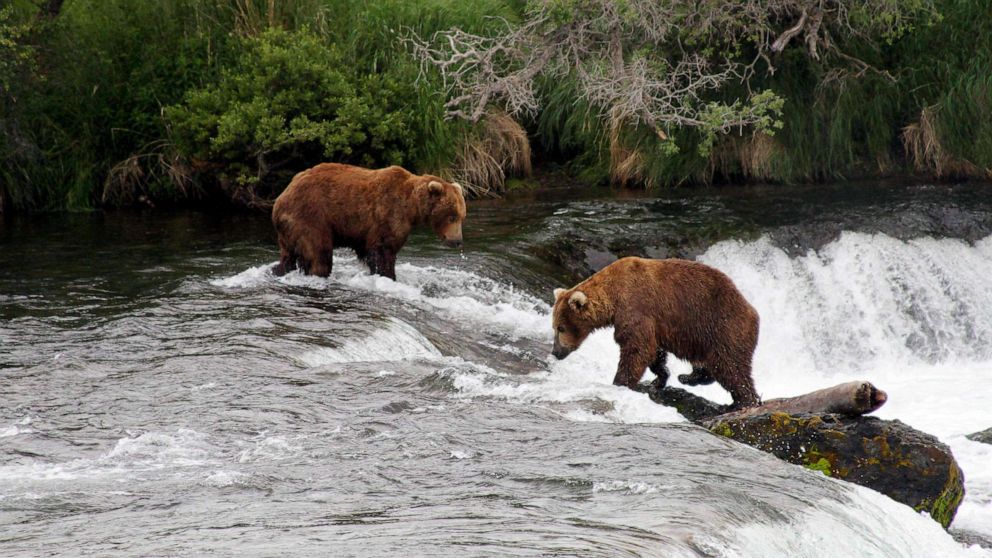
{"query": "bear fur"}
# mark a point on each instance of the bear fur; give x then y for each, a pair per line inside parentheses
(664, 306)
(370, 211)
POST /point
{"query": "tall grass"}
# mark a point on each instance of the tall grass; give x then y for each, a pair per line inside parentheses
(837, 125)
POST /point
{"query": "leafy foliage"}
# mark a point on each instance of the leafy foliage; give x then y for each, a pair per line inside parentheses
(15, 56)
(286, 100)
(129, 101)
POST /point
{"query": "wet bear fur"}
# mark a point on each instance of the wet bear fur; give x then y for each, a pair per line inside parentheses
(370, 211)
(664, 306)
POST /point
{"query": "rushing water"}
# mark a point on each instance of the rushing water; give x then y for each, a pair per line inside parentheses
(164, 395)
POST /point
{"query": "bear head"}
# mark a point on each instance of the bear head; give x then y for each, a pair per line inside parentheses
(445, 210)
(572, 321)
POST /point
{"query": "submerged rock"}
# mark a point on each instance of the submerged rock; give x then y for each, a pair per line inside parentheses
(890, 457)
(985, 436)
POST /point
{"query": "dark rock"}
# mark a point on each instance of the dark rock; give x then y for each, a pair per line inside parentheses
(890, 457)
(985, 436)
(905, 464)
(689, 405)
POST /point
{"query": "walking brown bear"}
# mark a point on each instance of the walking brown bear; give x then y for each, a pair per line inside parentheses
(665, 306)
(370, 211)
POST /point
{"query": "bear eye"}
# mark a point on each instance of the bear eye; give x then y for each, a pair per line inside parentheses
(452, 219)
(561, 329)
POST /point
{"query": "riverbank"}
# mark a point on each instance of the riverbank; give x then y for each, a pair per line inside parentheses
(122, 103)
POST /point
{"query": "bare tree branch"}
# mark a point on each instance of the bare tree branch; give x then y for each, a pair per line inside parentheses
(647, 62)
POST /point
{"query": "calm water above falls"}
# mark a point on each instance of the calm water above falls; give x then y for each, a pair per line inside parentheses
(162, 395)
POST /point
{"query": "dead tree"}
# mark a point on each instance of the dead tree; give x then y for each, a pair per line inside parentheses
(651, 62)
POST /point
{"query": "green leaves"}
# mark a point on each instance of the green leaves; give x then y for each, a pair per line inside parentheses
(14, 55)
(290, 99)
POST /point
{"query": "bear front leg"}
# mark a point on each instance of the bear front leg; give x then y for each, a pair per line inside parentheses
(382, 261)
(660, 368)
(700, 376)
(388, 260)
(634, 360)
(287, 263)
(325, 263)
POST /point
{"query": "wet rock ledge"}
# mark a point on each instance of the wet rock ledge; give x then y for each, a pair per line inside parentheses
(907, 465)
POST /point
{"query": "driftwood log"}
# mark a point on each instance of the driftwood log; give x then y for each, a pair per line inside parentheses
(825, 431)
(851, 399)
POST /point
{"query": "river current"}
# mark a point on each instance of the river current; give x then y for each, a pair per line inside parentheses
(163, 394)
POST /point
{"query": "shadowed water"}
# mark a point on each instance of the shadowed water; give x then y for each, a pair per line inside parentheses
(163, 394)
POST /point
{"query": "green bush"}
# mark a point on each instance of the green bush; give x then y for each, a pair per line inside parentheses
(287, 102)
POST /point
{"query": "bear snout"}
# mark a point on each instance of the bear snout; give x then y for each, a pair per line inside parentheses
(560, 351)
(453, 242)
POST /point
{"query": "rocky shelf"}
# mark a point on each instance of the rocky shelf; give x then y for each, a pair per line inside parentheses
(826, 431)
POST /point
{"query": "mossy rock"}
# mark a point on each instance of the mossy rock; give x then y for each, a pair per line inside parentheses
(890, 457)
(905, 464)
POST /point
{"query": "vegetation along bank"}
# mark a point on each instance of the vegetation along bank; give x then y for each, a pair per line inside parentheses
(124, 102)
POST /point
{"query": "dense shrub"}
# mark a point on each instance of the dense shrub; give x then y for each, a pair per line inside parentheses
(287, 102)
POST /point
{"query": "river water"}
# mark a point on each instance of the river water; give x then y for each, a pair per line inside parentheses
(162, 394)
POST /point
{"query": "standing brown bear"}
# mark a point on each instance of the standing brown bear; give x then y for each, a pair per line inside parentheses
(665, 306)
(370, 211)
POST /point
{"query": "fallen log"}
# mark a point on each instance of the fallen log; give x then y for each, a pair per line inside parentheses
(851, 399)
(824, 431)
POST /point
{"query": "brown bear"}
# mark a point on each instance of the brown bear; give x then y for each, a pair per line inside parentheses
(370, 211)
(664, 306)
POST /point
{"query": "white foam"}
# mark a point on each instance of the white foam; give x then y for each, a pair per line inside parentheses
(626, 487)
(585, 376)
(455, 294)
(225, 478)
(396, 341)
(271, 448)
(131, 455)
(869, 525)
(251, 277)
(16, 429)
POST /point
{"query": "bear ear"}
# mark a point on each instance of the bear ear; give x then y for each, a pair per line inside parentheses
(558, 293)
(578, 300)
(435, 187)
(459, 188)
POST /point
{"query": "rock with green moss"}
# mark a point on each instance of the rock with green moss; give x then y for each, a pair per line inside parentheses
(890, 457)
(905, 464)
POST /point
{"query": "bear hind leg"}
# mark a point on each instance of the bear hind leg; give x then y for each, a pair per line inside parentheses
(316, 254)
(736, 379)
(287, 263)
(700, 376)
(324, 263)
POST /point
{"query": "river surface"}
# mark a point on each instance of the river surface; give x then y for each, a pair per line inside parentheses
(162, 394)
